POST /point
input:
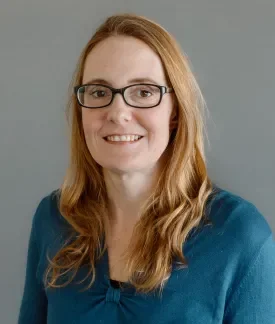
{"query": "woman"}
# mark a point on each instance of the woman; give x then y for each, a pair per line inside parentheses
(138, 233)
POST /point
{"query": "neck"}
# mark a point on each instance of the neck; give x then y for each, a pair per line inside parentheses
(126, 193)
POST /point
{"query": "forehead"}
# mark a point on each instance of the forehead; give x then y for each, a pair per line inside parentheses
(121, 58)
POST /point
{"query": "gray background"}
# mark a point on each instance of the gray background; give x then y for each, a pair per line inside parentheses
(231, 46)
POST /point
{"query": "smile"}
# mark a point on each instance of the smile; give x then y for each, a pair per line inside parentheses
(122, 140)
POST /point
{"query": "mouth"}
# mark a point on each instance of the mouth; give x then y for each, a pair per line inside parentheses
(122, 142)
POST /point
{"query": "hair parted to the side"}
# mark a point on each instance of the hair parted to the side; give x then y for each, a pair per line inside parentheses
(178, 202)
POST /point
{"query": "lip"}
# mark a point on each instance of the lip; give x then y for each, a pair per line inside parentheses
(122, 135)
(123, 143)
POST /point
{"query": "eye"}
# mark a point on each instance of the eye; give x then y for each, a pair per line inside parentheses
(145, 93)
(97, 93)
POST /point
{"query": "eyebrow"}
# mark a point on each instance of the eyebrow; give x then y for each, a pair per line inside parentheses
(135, 80)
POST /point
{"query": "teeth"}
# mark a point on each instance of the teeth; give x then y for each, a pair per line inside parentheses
(124, 138)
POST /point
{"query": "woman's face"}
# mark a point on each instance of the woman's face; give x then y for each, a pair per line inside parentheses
(119, 60)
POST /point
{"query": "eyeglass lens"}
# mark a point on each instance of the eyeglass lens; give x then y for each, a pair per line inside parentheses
(137, 95)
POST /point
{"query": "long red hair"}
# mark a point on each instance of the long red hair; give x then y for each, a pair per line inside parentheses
(177, 203)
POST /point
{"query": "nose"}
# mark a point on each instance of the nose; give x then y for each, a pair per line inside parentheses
(119, 112)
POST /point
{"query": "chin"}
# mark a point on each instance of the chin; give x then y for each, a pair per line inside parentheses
(121, 168)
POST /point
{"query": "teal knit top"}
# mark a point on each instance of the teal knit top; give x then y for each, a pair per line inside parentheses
(230, 276)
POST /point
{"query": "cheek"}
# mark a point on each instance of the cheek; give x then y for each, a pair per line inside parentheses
(90, 123)
(158, 123)
(88, 130)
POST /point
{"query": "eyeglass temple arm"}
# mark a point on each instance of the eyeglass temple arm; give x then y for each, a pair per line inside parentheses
(168, 90)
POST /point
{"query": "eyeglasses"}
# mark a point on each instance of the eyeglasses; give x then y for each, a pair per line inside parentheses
(142, 95)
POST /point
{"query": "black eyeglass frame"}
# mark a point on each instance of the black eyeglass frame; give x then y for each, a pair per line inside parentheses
(163, 90)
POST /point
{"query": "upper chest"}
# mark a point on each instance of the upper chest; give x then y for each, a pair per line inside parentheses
(117, 245)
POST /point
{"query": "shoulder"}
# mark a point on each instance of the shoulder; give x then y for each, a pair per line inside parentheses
(237, 235)
(238, 218)
(47, 209)
(244, 244)
(48, 223)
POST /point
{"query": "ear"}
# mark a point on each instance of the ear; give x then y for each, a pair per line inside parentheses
(174, 119)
